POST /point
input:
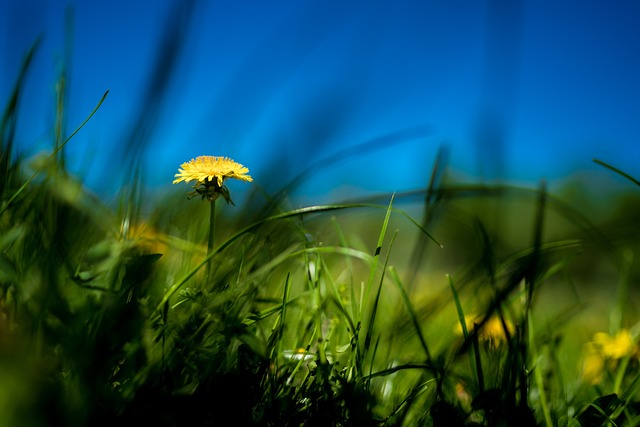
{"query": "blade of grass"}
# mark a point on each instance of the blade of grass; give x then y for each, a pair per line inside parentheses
(290, 253)
(626, 397)
(430, 204)
(376, 256)
(55, 152)
(267, 312)
(343, 242)
(537, 374)
(374, 309)
(9, 119)
(334, 297)
(412, 314)
(397, 368)
(313, 274)
(373, 267)
(621, 371)
(281, 322)
(61, 88)
(533, 267)
(476, 368)
(618, 171)
(417, 391)
(531, 276)
(622, 293)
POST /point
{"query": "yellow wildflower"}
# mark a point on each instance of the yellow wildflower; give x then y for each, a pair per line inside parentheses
(210, 172)
(593, 364)
(615, 347)
(493, 330)
(209, 168)
(604, 352)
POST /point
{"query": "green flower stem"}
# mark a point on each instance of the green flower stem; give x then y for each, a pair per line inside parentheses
(620, 373)
(212, 232)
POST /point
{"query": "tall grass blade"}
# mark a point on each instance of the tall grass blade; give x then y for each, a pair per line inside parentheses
(537, 374)
(406, 403)
(62, 88)
(376, 256)
(349, 265)
(55, 152)
(414, 318)
(616, 170)
(10, 118)
(534, 265)
(430, 205)
(476, 367)
(279, 328)
(374, 308)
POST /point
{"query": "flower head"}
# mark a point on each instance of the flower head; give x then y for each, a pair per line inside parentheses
(210, 172)
(615, 347)
(492, 331)
(593, 364)
(604, 353)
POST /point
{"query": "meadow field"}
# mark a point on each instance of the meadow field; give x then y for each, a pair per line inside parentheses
(455, 304)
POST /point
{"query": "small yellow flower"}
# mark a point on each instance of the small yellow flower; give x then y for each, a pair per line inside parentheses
(210, 172)
(205, 168)
(593, 364)
(615, 347)
(604, 352)
(492, 331)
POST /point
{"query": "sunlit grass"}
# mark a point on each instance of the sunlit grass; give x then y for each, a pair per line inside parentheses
(502, 306)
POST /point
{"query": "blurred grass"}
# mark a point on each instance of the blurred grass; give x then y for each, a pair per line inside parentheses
(341, 314)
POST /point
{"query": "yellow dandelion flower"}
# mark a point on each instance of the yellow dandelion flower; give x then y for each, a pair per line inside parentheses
(210, 172)
(593, 364)
(493, 330)
(205, 168)
(615, 347)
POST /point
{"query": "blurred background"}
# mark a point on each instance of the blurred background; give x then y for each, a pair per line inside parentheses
(515, 90)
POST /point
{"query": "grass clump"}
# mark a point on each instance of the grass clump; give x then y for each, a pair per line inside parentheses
(319, 315)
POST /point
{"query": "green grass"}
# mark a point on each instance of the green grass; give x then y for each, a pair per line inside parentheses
(347, 314)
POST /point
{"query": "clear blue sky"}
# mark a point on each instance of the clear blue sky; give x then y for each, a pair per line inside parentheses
(522, 90)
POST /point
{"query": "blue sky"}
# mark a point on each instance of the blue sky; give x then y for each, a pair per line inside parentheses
(520, 90)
